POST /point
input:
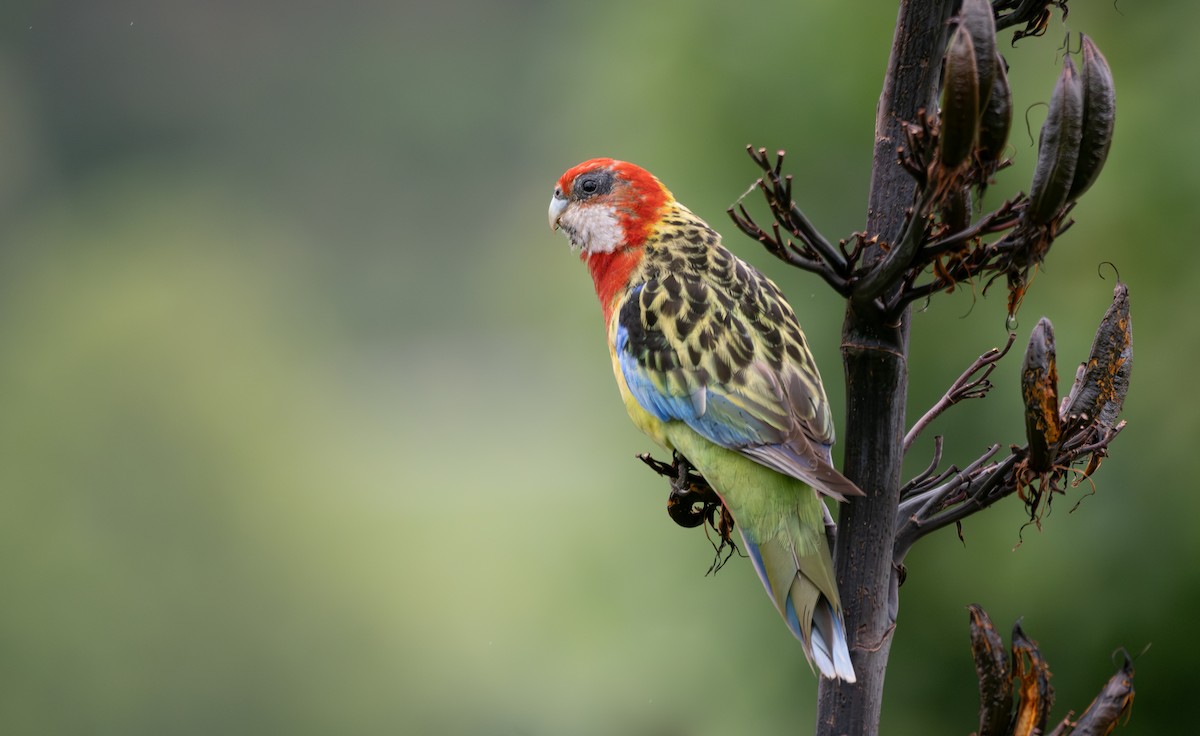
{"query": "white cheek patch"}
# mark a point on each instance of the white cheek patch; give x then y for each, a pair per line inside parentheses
(594, 229)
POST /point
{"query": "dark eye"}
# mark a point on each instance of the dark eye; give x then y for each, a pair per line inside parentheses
(592, 183)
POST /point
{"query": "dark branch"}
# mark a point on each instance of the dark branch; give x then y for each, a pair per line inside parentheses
(918, 240)
(970, 490)
(982, 484)
(929, 498)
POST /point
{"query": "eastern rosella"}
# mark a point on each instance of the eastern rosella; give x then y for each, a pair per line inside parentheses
(711, 363)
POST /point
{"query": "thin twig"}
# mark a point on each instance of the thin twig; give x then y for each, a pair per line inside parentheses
(930, 511)
(929, 483)
(932, 500)
(785, 209)
(996, 483)
(924, 475)
(786, 251)
(966, 386)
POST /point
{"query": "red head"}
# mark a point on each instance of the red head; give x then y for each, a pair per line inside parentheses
(604, 205)
(607, 209)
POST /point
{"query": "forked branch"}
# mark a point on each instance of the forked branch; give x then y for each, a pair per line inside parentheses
(793, 237)
(969, 385)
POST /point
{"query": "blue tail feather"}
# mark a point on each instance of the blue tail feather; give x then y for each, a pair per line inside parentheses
(756, 559)
(827, 646)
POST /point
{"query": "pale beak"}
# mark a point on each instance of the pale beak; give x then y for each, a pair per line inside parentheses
(557, 205)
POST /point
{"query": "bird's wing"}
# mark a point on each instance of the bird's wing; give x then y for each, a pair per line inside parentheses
(726, 356)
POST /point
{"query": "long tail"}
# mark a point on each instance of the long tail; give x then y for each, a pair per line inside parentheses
(797, 571)
(781, 523)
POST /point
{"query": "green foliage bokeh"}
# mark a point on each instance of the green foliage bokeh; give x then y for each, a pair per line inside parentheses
(308, 422)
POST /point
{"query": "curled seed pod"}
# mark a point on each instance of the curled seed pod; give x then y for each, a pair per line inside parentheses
(1114, 701)
(994, 122)
(1102, 382)
(1039, 390)
(1099, 116)
(991, 666)
(1032, 674)
(976, 16)
(960, 102)
(1058, 148)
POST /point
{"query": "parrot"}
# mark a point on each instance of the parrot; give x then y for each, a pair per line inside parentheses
(711, 364)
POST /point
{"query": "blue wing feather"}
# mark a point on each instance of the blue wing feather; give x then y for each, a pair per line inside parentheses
(732, 426)
(719, 421)
(663, 406)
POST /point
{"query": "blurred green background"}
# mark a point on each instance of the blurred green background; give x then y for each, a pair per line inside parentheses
(308, 424)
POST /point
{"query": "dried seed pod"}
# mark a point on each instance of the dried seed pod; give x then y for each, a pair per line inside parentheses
(1036, 696)
(995, 681)
(1039, 390)
(1058, 148)
(1102, 382)
(994, 123)
(1099, 116)
(956, 209)
(1114, 701)
(976, 16)
(1120, 383)
(960, 102)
